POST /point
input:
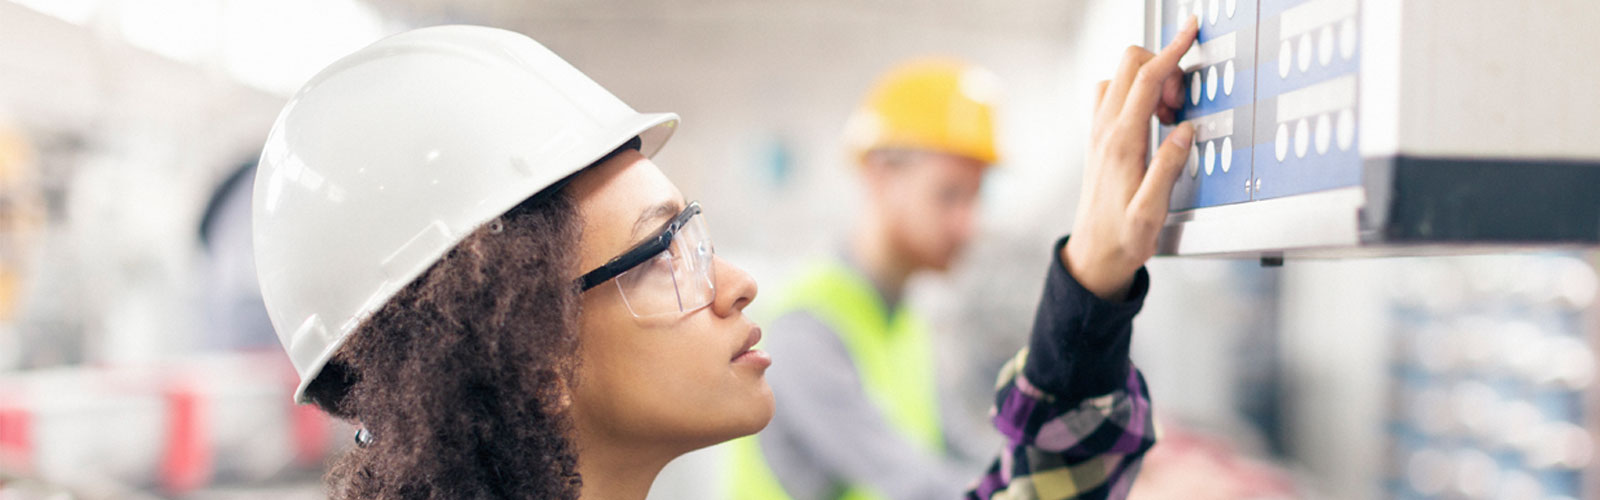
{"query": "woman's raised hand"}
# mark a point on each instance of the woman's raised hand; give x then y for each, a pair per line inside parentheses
(1125, 194)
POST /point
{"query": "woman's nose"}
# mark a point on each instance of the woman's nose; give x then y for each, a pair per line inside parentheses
(735, 288)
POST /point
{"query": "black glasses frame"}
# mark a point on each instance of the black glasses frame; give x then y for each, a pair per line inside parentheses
(641, 252)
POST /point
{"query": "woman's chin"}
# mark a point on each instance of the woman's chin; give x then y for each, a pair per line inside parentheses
(731, 419)
(745, 425)
(757, 415)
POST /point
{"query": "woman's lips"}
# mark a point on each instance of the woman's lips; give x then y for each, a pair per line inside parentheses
(749, 354)
(754, 356)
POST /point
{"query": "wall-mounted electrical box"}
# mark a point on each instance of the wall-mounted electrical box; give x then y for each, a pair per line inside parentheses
(1342, 128)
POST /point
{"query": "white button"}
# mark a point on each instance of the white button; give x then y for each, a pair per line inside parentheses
(1305, 53)
(1227, 153)
(1520, 415)
(1233, 6)
(1476, 474)
(1347, 130)
(1285, 58)
(1215, 4)
(1324, 133)
(1518, 484)
(1211, 83)
(1194, 160)
(1302, 138)
(1325, 46)
(1575, 366)
(1428, 471)
(1282, 143)
(1577, 447)
(1227, 77)
(1211, 157)
(1347, 38)
(1194, 89)
(1199, 11)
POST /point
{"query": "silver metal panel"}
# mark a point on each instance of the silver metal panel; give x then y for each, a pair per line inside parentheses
(1318, 220)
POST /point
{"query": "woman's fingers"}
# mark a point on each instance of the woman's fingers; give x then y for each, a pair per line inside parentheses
(1172, 93)
(1150, 203)
(1151, 78)
(1117, 91)
(1171, 100)
(1167, 115)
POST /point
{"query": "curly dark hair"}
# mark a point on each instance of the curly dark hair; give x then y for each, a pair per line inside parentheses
(460, 376)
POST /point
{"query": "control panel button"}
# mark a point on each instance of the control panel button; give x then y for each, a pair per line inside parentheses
(1211, 157)
(1194, 89)
(1324, 133)
(1227, 153)
(1282, 143)
(1347, 129)
(1304, 58)
(1325, 46)
(1211, 83)
(1194, 160)
(1227, 77)
(1302, 138)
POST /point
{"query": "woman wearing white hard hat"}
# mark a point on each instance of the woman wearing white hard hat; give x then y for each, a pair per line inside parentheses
(465, 248)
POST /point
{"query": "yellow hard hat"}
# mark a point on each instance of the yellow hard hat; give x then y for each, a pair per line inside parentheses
(934, 104)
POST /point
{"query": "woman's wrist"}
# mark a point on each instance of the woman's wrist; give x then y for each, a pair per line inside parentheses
(1101, 273)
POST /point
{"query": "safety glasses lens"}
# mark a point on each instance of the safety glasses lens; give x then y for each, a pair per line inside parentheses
(676, 281)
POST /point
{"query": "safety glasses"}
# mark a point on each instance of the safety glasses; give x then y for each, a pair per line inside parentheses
(669, 273)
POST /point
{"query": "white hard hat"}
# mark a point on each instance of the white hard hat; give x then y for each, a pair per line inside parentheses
(390, 156)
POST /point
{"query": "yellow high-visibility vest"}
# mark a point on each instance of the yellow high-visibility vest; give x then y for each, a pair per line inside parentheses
(892, 355)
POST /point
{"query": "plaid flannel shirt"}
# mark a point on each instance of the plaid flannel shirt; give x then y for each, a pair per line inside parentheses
(1088, 449)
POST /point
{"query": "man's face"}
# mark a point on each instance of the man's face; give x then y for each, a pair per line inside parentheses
(929, 201)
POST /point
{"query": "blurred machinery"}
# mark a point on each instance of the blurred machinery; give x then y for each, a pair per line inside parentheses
(1493, 379)
(1382, 127)
(171, 428)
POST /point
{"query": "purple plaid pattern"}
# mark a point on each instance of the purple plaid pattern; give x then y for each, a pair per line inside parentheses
(1086, 449)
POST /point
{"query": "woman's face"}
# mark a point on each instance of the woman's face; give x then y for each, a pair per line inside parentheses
(681, 380)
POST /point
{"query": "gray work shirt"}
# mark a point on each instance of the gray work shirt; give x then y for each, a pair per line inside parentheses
(827, 434)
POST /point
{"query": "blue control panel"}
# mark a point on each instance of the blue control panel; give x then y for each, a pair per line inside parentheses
(1273, 96)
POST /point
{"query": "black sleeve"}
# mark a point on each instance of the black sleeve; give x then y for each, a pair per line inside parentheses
(1079, 345)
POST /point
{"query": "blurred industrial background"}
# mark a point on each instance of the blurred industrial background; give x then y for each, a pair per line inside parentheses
(136, 360)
